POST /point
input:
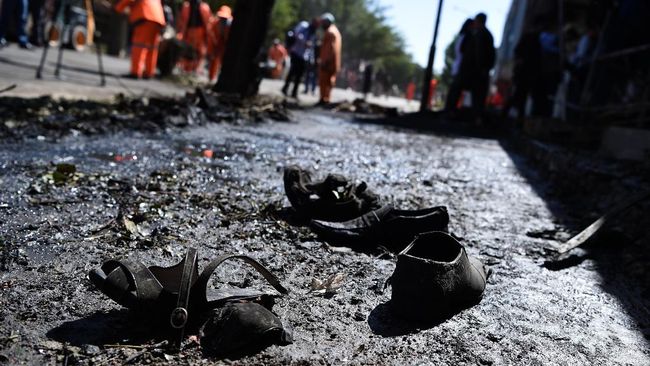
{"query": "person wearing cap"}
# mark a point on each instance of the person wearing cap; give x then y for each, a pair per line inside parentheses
(278, 54)
(147, 19)
(219, 31)
(330, 57)
(193, 28)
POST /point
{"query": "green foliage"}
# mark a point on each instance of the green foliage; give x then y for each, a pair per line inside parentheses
(363, 25)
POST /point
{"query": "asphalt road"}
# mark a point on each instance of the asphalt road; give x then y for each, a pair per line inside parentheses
(500, 207)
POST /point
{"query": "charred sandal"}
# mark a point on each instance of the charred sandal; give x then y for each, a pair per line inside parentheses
(178, 292)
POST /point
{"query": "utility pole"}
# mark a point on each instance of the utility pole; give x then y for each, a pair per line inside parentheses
(428, 73)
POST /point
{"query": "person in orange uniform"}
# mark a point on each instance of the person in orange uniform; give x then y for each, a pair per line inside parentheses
(410, 90)
(193, 27)
(219, 31)
(147, 18)
(278, 54)
(330, 57)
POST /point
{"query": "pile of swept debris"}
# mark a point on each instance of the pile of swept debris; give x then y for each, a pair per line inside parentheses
(46, 117)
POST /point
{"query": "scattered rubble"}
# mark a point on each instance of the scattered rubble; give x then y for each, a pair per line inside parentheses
(46, 117)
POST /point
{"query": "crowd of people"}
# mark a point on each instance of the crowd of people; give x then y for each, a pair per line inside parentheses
(538, 69)
(309, 57)
(475, 57)
(206, 33)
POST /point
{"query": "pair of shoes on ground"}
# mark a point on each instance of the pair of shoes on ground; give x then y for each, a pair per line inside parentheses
(178, 299)
(334, 198)
(345, 213)
(434, 276)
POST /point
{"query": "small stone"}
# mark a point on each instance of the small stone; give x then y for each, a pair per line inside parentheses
(90, 349)
(359, 316)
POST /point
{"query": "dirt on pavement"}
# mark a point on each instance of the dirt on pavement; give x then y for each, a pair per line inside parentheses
(151, 193)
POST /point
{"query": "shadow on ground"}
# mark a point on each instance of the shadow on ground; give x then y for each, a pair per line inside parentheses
(382, 322)
(621, 252)
(101, 328)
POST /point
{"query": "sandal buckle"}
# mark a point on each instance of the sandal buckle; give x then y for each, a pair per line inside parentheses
(178, 318)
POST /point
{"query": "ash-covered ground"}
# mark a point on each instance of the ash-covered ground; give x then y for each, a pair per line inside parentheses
(150, 194)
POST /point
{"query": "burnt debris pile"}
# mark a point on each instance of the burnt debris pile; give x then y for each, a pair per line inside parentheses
(46, 117)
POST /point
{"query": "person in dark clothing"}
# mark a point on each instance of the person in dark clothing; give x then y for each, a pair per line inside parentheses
(527, 66)
(479, 57)
(299, 53)
(18, 11)
(311, 73)
(36, 9)
(458, 84)
(549, 75)
(367, 79)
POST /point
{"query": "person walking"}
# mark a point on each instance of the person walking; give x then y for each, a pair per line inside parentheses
(330, 57)
(302, 33)
(193, 28)
(17, 11)
(147, 19)
(278, 54)
(459, 80)
(218, 38)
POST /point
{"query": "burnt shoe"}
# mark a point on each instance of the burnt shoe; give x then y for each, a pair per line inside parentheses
(435, 278)
(335, 198)
(242, 328)
(387, 226)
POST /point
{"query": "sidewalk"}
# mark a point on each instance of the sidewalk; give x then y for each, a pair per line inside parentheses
(80, 80)
(79, 76)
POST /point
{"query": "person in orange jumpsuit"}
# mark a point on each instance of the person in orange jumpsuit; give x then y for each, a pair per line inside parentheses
(410, 91)
(330, 57)
(433, 85)
(148, 19)
(278, 54)
(219, 31)
(193, 28)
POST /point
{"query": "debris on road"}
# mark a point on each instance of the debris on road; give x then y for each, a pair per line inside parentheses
(329, 286)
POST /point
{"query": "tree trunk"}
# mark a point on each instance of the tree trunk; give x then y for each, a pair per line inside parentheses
(240, 72)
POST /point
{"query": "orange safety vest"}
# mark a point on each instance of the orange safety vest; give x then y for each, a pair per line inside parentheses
(218, 35)
(150, 10)
(330, 51)
(204, 11)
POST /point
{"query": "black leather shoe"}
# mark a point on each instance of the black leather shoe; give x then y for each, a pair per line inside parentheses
(386, 226)
(239, 328)
(434, 278)
(335, 198)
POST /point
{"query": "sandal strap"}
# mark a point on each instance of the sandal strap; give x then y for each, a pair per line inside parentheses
(145, 283)
(202, 282)
(179, 316)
